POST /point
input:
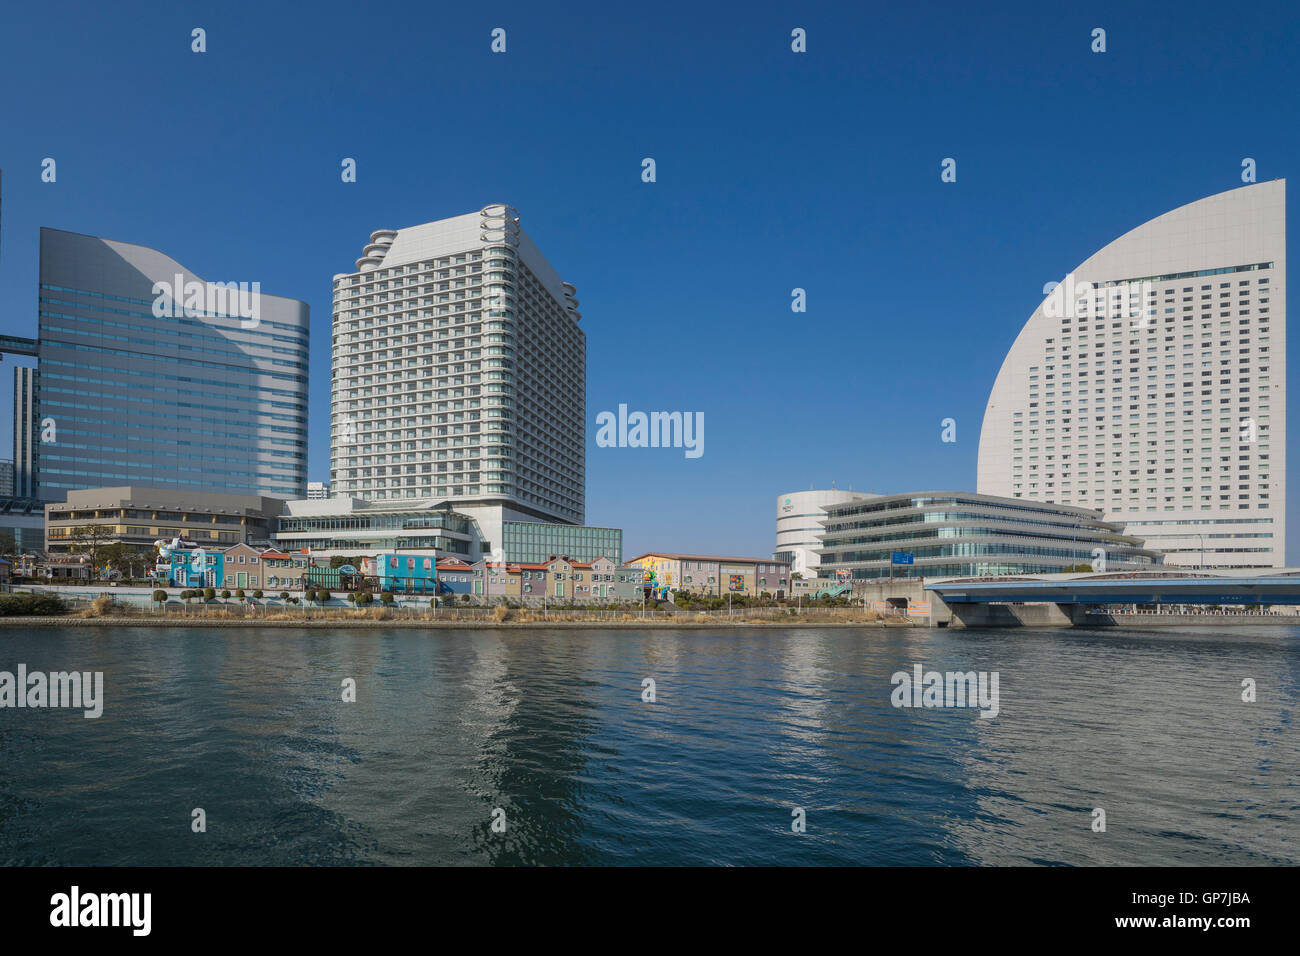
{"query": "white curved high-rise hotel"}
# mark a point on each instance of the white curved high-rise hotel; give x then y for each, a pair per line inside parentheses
(1151, 384)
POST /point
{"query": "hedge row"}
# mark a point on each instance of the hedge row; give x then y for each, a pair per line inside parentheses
(15, 605)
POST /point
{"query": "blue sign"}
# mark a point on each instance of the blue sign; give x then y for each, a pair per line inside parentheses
(902, 557)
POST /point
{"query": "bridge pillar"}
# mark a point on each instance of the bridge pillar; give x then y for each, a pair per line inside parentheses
(964, 614)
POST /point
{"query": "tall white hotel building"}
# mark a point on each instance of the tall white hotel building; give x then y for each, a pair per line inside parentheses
(1153, 386)
(459, 373)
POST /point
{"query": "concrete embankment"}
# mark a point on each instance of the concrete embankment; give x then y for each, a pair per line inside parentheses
(317, 623)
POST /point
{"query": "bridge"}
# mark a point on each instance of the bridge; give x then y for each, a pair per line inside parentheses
(1065, 599)
(18, 345)
(1168, 586)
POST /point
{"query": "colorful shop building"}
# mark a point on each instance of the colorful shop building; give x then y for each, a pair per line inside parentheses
(714, 575)
(184, 564)
(402, 573)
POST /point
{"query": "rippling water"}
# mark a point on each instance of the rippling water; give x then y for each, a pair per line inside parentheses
(549, 726)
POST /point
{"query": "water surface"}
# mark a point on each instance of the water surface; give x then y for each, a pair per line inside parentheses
(550, 727)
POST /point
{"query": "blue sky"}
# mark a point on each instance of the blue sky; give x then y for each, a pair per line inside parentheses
(775, 171)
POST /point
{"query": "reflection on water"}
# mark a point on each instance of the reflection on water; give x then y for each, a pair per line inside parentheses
(549, 727)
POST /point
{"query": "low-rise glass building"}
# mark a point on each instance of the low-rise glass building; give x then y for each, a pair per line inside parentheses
(535, 542)
(434, 527)
(962, 534)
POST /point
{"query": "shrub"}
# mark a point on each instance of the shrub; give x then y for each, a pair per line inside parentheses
(19, 604)
(226, 593)
(284, 595)
(386, 597)
(239, 593)
(310, 594)
(257, 594)
(159, 596)
(102, 606)
(433, 602)
(209, 593)
(323, 596)
(500, 613)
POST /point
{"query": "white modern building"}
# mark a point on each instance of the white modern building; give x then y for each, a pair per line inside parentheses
(318, 489)
(799, 518)
(460, 373)
(341, 525)
(959, 534)
(1151, 385)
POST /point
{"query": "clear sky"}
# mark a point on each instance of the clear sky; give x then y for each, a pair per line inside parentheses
(775, 170)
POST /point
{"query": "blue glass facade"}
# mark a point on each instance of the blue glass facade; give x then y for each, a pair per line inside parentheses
(194, 398)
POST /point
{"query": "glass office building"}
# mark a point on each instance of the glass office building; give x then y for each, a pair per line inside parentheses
(957, 534)
(355, 526)
(533, 542)
(152, 376)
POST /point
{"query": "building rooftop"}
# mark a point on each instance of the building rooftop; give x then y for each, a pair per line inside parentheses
(677, 556)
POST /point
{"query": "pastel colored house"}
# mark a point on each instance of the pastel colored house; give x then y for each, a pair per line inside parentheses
(243, 568)
(593, 581)
(499, 580)
(456, 577)
(406, 573)
(618, 582)
(285, 570)
(532, 580)
(188, 566)
(560, 578)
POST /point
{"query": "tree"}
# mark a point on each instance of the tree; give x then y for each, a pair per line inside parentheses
(118, 556)
(8, 546)
(89, 539)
